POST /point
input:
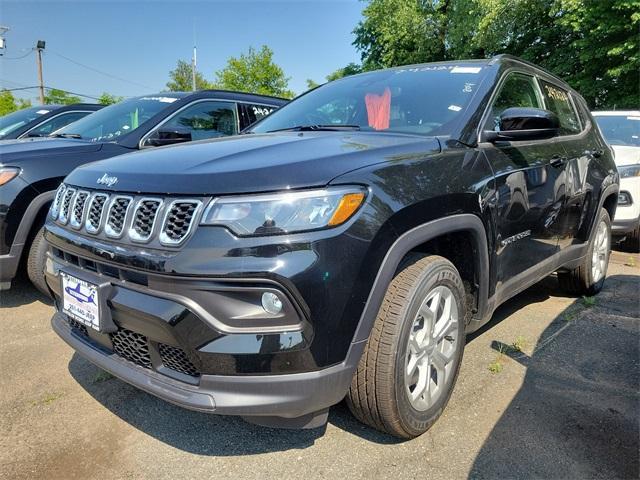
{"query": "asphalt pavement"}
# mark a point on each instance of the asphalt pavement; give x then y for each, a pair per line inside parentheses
(549, 389)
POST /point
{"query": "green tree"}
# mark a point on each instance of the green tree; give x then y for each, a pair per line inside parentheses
(108, 99)
(311, 84)
(350, 69)
(60, 97)
(592, 44)
(254, 72)
(181, 81)
(9, 104)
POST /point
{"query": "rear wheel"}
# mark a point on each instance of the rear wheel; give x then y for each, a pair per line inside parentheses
(588, 277)
(407, 372)
(36, 261)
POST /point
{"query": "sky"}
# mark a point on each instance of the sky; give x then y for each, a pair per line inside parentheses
(141, 41)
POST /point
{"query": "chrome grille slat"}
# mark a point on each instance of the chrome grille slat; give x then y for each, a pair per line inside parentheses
(144, 219)
(178, 221)
(77, 211)
(95, 212)
(117, 215)
(66, 205)
(55, 206)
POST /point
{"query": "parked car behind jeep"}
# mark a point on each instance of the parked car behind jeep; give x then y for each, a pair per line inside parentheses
(42, 120)
(344, 247)
(621, 129)
(32, 169)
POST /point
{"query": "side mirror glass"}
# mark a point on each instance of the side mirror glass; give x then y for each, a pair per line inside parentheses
(169, 136)
(518, 124)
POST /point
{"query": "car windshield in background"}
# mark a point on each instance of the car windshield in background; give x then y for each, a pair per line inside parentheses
(112, 122)
(13, 121)
(620, 129)
(424, 100)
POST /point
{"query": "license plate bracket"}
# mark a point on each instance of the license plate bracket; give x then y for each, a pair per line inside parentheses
(85, 301)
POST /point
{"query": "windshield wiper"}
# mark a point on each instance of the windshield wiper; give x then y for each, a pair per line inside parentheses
(317, 128)
(66, 135)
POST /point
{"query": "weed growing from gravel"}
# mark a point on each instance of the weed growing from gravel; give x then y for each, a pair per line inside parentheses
(47, 399)
(589, 301)
(102, 376)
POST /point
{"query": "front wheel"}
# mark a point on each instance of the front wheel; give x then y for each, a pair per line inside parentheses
(410, 365)
(588, 277)
(36, 262)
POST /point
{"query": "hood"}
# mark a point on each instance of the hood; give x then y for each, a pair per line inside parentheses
(14, 150)
(250, 163)
(626, 155)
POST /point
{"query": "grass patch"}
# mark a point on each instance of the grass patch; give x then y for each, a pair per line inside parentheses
(520, 344)
(496, 366)
(47, 399)
(101, 376)
(631, 262)
(589, 301)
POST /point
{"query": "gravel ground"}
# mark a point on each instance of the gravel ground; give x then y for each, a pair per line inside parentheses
(564, 404)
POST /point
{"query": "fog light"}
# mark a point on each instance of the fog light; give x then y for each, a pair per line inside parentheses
(271, 303)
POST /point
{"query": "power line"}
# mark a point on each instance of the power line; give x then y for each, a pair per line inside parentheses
(17, 58)
(99, 71)
(36, 87)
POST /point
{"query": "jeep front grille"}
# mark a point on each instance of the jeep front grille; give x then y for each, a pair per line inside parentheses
(156, 221)
(132, 346)
(175, 359)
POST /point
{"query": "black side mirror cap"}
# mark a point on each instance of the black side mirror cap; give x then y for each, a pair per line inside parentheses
(518, 124)
(169, 136)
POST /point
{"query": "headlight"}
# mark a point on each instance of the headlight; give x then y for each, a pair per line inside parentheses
(287, 212)
(7, 174)
(629, 171)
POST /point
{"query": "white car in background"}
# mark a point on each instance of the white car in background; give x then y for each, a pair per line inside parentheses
(621, 129)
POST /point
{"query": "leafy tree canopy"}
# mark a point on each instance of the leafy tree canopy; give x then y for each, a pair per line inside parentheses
(592, 44)
(108, 99)
(254, 72)
(180, 78)
(9, 104)
(350, 69)
(60, 97)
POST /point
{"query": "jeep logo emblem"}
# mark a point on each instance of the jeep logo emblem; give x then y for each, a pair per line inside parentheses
(107, 180)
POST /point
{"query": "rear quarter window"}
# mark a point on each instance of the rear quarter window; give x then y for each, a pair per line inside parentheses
(559, 102)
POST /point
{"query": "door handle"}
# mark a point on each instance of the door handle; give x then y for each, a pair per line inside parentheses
(558, 161)
(595, 153)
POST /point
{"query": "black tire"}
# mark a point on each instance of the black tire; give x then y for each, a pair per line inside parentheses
(378, 394)
(632, 241)
(36, 261)
(580, 281)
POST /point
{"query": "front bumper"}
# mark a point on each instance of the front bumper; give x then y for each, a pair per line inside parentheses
(295, 396)
(627, 217)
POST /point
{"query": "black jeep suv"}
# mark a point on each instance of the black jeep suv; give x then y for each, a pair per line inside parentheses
(344, 246)
(31, 169)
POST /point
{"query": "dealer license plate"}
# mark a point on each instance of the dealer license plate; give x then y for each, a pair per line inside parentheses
(80, 300)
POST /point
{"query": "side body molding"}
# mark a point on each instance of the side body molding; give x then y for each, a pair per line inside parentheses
(411, 239)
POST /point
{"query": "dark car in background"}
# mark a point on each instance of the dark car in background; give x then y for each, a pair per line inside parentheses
(31, 169)
(343, 247)
(43, 120)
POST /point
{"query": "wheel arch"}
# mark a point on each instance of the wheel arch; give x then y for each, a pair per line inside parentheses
(414, 238)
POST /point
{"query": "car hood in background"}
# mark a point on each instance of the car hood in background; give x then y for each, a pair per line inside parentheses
(12, 151)
(626, 155)
(251, 163)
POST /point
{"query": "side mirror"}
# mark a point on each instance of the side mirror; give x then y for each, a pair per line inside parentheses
(518, 124)
(169, 136)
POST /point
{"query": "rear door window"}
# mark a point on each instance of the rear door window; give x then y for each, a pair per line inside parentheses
(252, 113)
(558, 101)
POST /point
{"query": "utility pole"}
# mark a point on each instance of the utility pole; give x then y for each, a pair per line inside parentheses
(39, 48)
(193, 70)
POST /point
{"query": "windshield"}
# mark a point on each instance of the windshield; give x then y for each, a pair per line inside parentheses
(112, 122)
(620, 129)
(13, 121)
(423, 100)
